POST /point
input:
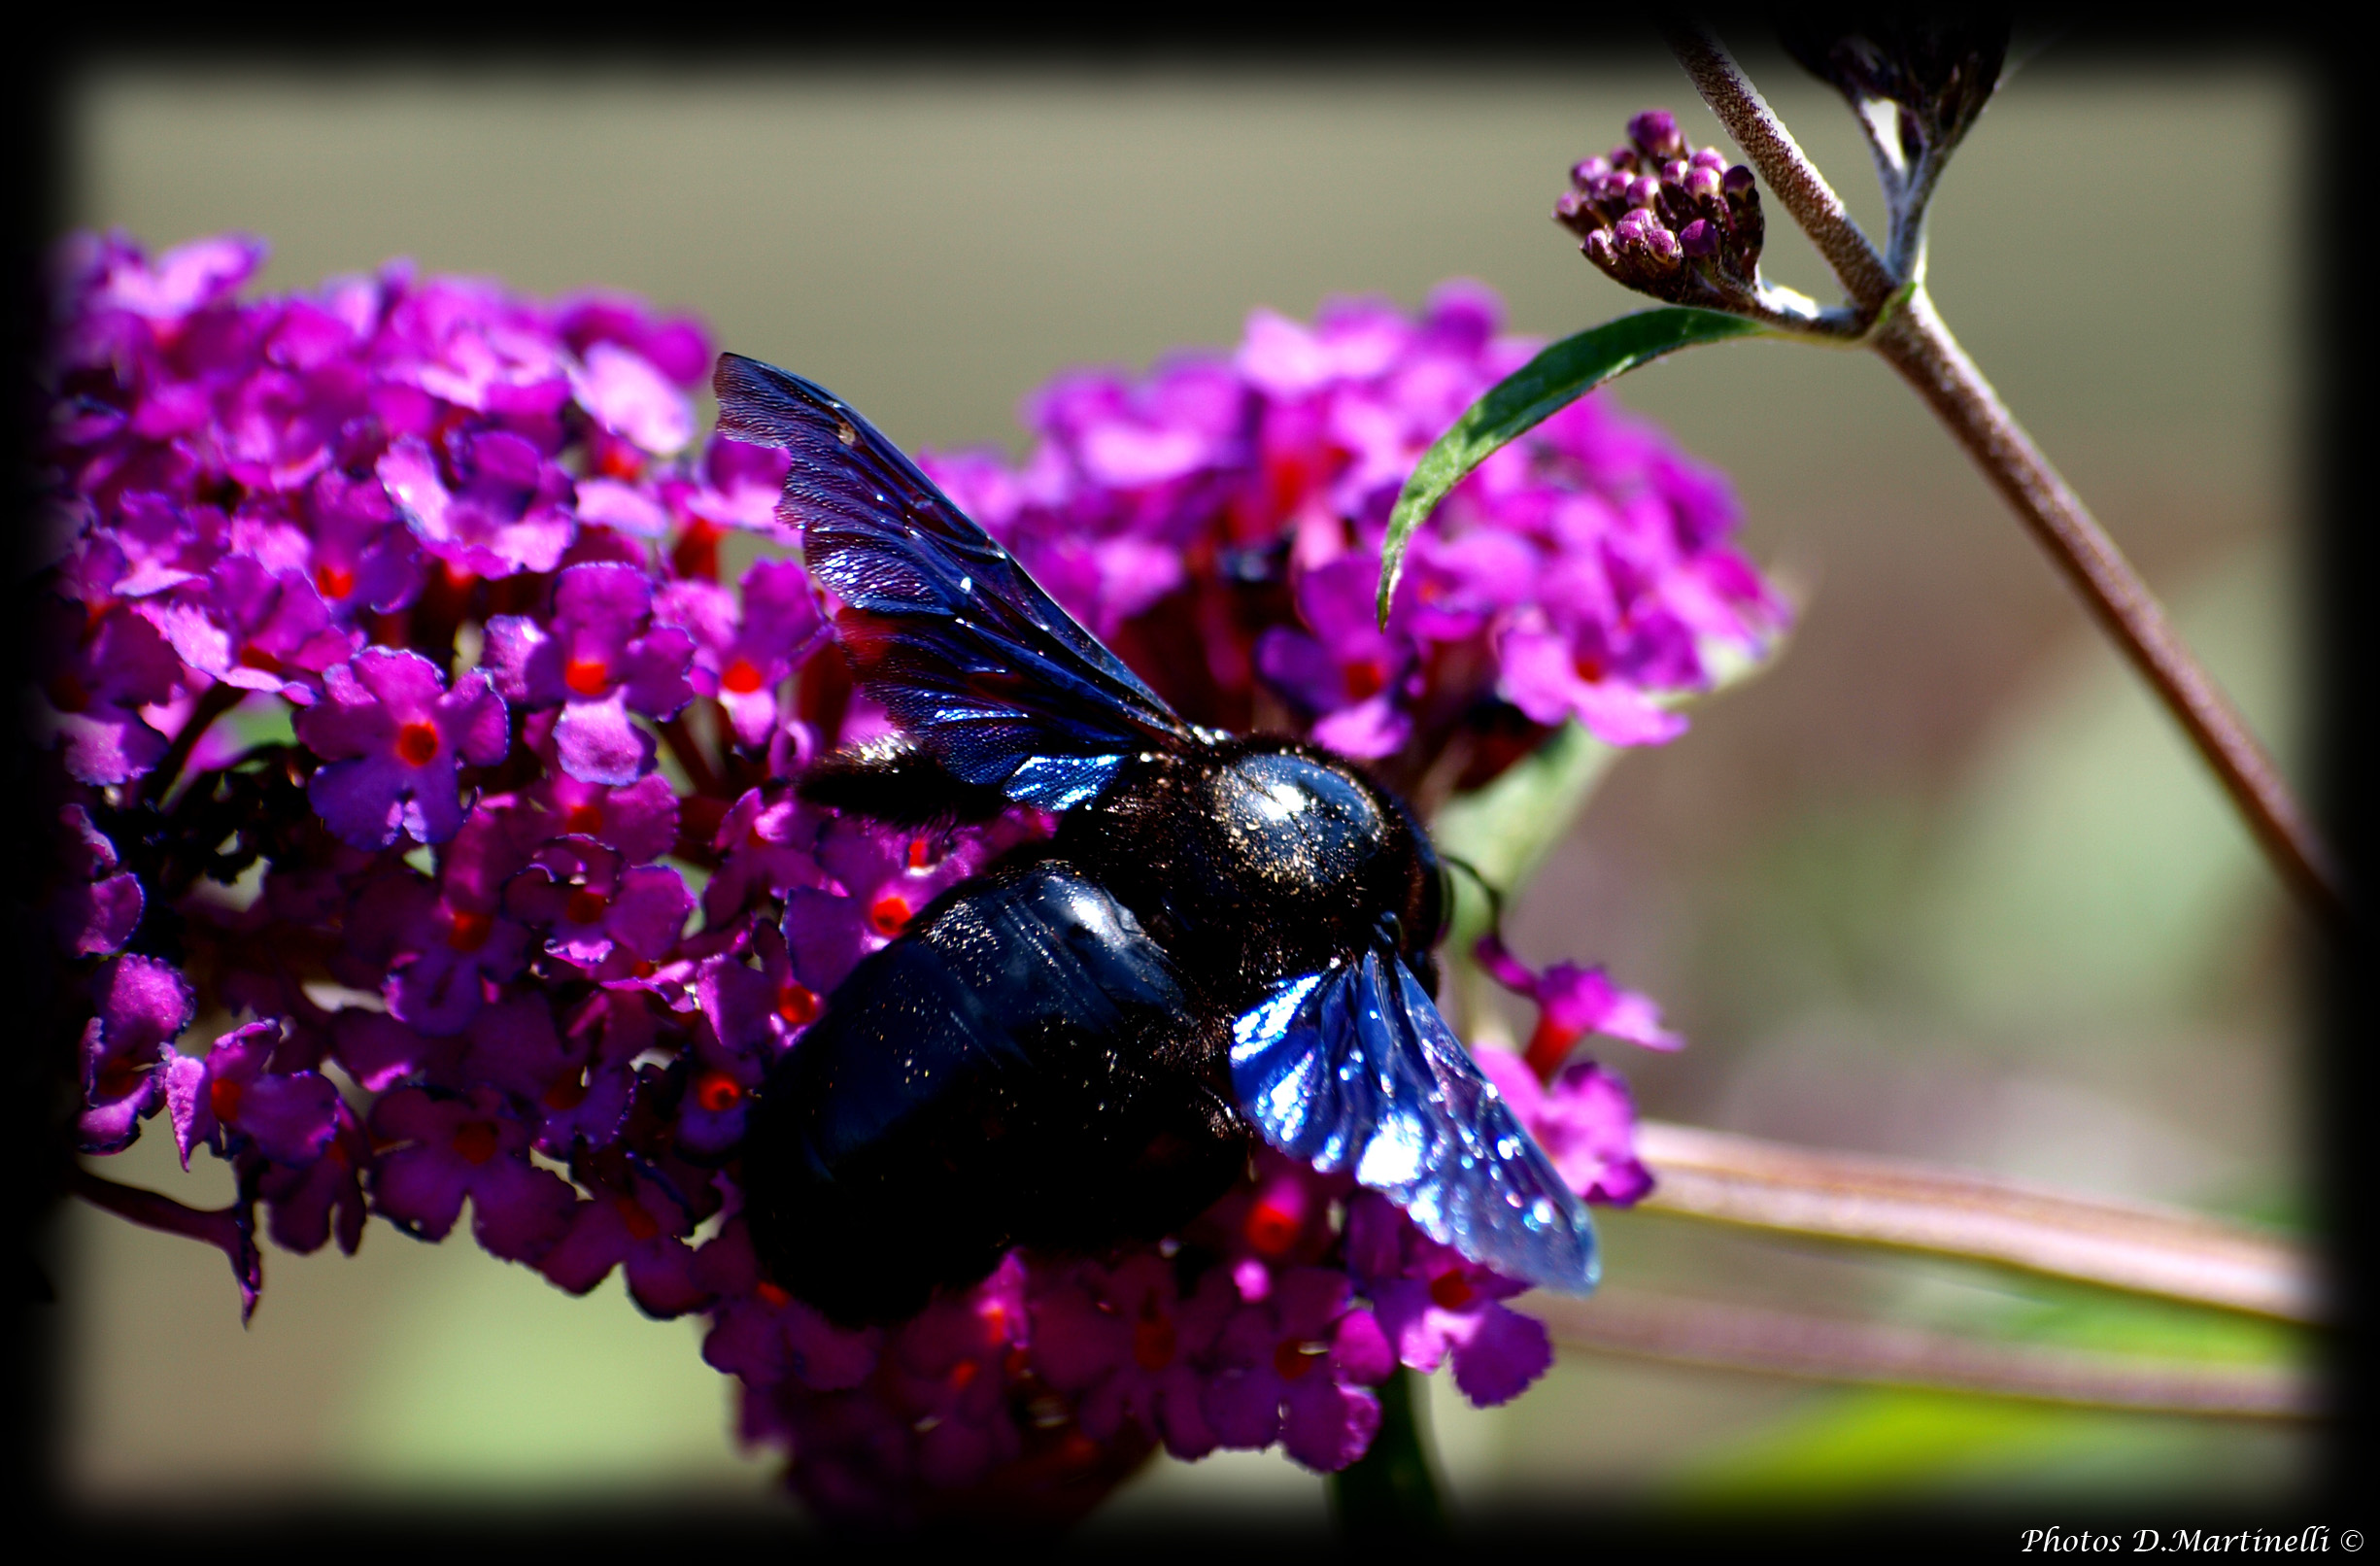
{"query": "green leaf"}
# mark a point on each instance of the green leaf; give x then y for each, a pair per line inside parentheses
(1528, 396)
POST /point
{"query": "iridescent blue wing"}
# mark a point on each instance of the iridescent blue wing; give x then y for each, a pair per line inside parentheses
(942, 626)
(1353, 1068)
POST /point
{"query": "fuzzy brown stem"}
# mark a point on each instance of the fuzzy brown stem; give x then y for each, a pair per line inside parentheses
(1913, 339)
(1782, 163)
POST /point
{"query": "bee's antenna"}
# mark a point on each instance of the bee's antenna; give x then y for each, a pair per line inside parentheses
(1495, 899)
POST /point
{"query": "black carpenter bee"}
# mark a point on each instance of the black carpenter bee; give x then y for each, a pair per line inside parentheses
(1226, 938)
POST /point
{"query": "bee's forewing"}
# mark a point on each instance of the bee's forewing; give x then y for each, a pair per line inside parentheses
(942, 626)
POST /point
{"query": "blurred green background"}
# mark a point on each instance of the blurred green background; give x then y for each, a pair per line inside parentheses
(1943, 884)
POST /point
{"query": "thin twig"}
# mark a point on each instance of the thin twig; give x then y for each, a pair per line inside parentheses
(1902, 1206)
(230, 1230)
(1777, 1342)
(1784, 165)
(1913, 339)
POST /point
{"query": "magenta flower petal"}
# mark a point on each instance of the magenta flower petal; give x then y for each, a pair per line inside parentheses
(1502, 1356)
(598, 744)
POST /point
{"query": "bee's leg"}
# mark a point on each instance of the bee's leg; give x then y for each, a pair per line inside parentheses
(894, 782)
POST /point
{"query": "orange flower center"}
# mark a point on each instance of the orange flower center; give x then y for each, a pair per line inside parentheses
(470, 929)
(584, 819)
(333, 581)
(889, 915)
(416, 744)
(120, 1077)
(1271, 1228)
(588, 676)
(1448, 1291)
(772, 1295)
(223, 1096)
(585, 907)
(798, 1003)
(718, 1092)
(743, 677)
(475, 1141)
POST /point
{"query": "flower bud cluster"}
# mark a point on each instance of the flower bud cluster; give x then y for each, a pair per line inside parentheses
(1664, 219)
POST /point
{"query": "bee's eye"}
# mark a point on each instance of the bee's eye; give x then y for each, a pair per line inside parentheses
(1392, 930)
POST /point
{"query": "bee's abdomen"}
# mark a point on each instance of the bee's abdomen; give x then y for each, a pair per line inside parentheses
(1027, 1067)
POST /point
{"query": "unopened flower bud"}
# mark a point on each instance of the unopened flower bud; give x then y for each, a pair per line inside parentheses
(1669, 220)
(1655, 133)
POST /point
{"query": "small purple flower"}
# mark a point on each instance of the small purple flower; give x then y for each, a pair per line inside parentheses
(1432, 1303)
(1585, 1120)
(640, 1230)
(393, 736)
(597, 913)
(1127, 1345)
(448, 1148)
(255, 628)
(98, 672)
(742, 658)
(1295, 1367)
(313, 1201)
(633, 400)
(288, 1118)
(95, 913)
(600, 659)
(768, 845)
(143, 1004)
(952, 1368)
(1551, 683)
(1572, 1003)
(503, 511)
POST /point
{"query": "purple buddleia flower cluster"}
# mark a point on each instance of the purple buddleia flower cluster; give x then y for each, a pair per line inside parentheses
(425, 834)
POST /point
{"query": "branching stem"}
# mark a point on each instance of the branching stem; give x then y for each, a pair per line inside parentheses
(1915, 342)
